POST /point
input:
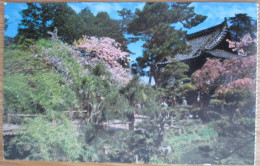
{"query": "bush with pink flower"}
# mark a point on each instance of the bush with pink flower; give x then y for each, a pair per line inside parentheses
(107, 51)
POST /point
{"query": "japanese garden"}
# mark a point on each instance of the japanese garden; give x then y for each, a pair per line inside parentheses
(72, 92)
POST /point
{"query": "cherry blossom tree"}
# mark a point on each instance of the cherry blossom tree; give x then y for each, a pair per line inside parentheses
(217, 77)
(105, 48)
(241, 47)
(108, 51)
(233, 73)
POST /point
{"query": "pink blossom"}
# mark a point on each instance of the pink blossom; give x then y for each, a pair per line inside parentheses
(228, 74)
(109, 51)
(239, 46)
(244, 83)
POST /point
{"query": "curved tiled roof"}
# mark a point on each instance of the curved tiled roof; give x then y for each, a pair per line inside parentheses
(204, 42)
(222, 54)
(207, 31)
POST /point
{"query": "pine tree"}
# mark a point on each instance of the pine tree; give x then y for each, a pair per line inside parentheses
(35, 20)
(154, 25)
(240, 25)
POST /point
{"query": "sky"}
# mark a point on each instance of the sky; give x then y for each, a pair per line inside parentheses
(215, 12)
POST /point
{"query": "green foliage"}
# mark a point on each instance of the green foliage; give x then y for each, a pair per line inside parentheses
(216, 102)
(100, 70)
(15, 94)
(35, 20)
(37, 93)
(55, 141)
(69, 24)
(154, 25)
(155, 13)
(186, 140)
(107, 27)
(59, 56)
(188, 136)
(48, 79)
(175, 70)
(235, 104)
(240, 25)
(156, 160)
(146, 96)
(126, 17)
(31, 86)
(187, 89)
(174, 82)
(233, 119)
(40, 18)
(93, 87)
(44, 43)
(240, 151)
(25, 43)
(8, 41)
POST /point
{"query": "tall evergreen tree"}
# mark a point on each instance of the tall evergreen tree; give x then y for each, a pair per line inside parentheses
(154, 25)
(102, 25)
(240, 25)
(69, 24)
(39, 18)
(35, 20)
(107, 27)
(30, 22)
(88, 18)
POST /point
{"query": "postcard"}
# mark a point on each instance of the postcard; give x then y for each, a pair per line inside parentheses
(130, 82)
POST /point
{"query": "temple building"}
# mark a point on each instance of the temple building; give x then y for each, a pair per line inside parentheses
(205, 44)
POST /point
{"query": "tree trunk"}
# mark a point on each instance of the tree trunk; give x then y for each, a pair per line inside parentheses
(70, 114)
(204, 108)
(156, 73)
(161, 122)
(150, 80)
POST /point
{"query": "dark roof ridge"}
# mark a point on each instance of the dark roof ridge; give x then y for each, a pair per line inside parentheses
(210, 29)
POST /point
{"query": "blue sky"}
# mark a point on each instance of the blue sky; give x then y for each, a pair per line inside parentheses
(216, 12)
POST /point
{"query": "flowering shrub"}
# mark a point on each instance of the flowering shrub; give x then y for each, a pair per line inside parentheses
(108, 51)
(233, 73)
(229, 74)
(240, 46)
(105, 48)
(243, 84)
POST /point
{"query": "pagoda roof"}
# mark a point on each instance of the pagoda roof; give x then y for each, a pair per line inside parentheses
(205, 41)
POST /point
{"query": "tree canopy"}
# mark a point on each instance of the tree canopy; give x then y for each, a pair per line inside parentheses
(154, 25)
(39, 18)
(240, 25)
